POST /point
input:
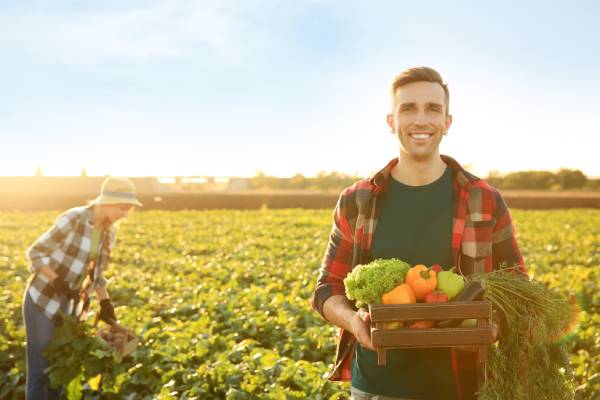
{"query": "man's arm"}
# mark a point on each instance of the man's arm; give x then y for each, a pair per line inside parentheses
(329, 298)
(337, 261)
(337, 310)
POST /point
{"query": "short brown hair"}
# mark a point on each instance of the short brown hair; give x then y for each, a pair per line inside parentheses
(420, 74)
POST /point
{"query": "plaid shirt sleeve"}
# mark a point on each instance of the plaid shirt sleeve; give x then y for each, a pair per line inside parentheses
(99, 279)
(337, 260)
(505, 249)
(39, 252)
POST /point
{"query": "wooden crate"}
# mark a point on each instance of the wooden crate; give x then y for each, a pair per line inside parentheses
(384, 339)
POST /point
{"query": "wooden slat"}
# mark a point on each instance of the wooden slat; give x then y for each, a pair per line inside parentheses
(431, 337)
(483, 350)
(437, 311)
(381, 357)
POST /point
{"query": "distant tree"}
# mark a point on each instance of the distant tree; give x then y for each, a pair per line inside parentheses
(38, 170)
(298, 181)
(535, 180)
(84, 172)
(495, 179)
(571, 179)
(324, 181)
(263, 182)
(593, 184)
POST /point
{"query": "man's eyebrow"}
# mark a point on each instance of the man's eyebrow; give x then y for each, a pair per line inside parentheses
(430, 105)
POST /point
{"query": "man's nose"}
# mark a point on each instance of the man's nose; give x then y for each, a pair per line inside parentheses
(421, 118)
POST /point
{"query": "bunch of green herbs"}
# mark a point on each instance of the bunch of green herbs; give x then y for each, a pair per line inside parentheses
(530, 361)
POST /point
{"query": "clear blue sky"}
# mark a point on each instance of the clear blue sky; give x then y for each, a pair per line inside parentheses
(232, 87)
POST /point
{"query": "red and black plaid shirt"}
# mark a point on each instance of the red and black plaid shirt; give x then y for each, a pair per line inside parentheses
(482, 240)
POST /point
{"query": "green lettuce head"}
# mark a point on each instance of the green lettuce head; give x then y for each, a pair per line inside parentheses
(367, 283)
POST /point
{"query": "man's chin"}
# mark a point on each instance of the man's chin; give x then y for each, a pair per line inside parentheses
(421, 155)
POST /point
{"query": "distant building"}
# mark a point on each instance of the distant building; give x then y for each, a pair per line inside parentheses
(237, 184)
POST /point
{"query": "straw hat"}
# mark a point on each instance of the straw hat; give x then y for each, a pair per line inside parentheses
(117, 191)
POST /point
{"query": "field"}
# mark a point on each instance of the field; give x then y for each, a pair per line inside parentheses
(220, 299)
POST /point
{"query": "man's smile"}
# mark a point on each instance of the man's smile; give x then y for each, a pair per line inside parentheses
(421, 136)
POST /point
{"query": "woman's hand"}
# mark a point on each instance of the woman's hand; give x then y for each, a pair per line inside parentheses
(107, 312)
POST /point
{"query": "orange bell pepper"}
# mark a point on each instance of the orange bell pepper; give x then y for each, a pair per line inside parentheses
(421, 280)
(401, 294)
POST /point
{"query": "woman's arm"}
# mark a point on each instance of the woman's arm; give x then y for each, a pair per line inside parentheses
(102, 293)
(39, 252)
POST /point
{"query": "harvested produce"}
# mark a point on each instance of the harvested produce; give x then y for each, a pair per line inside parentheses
(530, 360)
(433, 297)
(436, 296)
(473, 290)
(437, 268)
(421, 280)
(401, 294)
(367, 283)
(77, 356)
(113, 336)
(450, 283)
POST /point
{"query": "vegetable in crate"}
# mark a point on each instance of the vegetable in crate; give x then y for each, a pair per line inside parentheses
(421, 280)
(433, 297)
(401, 294)
(367, 283)
(436, 297)
(450, 283)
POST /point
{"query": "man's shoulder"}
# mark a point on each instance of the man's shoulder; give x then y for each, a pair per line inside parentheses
(359, 190)
(357, 196)
(469, 180)
(363, 185)
(483, 196)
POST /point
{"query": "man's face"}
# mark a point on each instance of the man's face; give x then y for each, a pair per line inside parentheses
(419, 119)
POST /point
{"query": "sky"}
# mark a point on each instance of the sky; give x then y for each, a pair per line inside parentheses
(233, 87)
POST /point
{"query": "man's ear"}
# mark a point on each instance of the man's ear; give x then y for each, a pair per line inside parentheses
(390, 121)
(448, 123)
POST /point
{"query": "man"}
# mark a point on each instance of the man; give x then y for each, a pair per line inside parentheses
(422, 208)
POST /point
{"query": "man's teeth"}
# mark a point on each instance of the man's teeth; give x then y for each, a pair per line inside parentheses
(420, 135)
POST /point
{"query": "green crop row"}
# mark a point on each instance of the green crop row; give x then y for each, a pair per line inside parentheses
(219, 300)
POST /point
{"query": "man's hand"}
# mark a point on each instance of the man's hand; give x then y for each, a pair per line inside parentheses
(62, 287)
(361, 327)
(337, 309)
(495, 332)
(107, 312)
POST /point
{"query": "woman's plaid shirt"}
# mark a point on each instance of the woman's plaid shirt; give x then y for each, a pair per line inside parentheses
(65, 248)
(482, 240)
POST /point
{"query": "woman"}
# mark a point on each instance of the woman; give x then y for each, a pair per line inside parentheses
(67, 264)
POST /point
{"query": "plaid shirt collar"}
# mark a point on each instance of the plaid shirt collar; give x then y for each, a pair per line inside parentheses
(462, 179)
